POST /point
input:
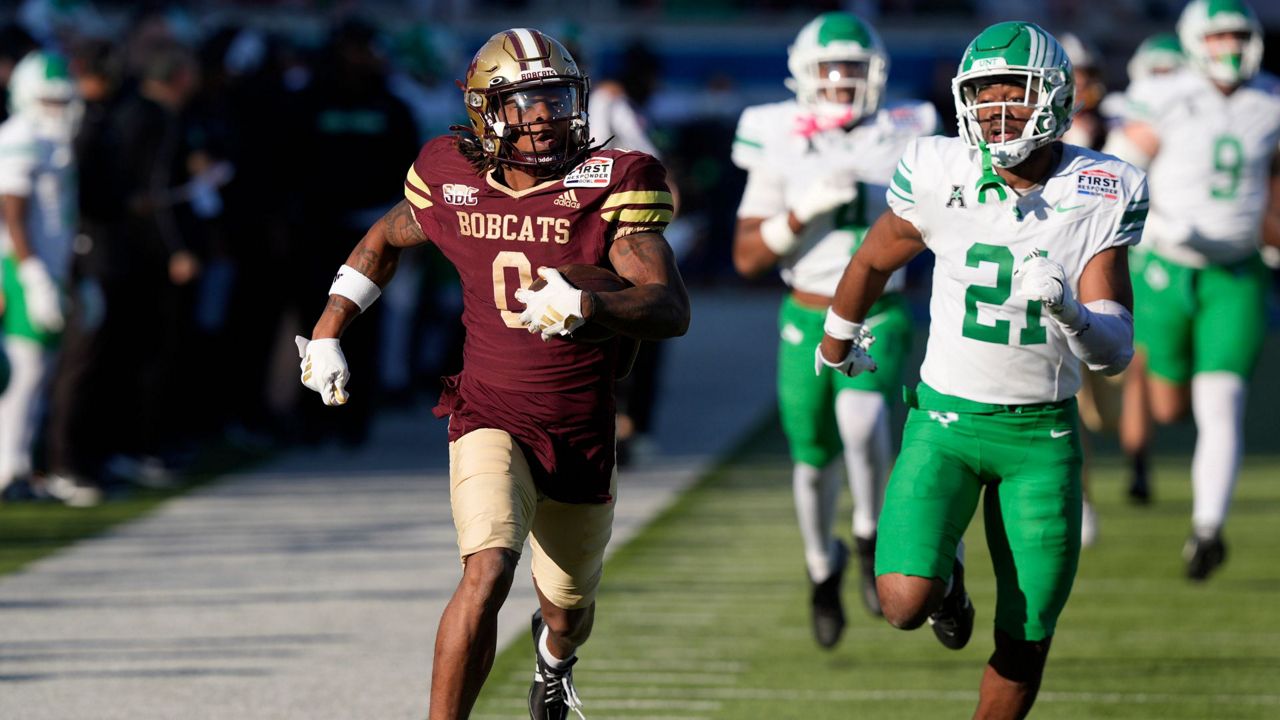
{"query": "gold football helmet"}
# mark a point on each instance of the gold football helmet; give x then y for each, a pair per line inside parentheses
(521, 80)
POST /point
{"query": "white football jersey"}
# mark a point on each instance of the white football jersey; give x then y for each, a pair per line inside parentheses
(37, 167)
(1211, 177)
(985, 344)
(782, 152)
(614, 119)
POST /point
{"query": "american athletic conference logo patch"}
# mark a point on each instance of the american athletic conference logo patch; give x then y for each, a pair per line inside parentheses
(595, 172)
(1098, 183)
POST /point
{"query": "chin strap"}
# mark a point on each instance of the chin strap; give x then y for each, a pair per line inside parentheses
(990, 180)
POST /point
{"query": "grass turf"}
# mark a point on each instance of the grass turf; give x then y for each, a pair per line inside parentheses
(705, 615)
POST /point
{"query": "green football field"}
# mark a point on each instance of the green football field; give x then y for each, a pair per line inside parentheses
(705, 615)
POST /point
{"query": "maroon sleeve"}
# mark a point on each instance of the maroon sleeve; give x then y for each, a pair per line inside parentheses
(422, 177)
(641, 200)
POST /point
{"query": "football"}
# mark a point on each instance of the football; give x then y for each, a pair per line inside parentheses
(595, 279)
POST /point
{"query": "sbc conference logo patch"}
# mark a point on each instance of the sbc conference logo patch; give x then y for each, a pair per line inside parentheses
(595, 172)
(455, 194)
(1098, 183)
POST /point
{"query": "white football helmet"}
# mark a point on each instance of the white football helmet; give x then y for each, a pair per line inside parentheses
(1159, 54)
(1202, 18)
(838, 37)
(1021, 52)
(42, 87)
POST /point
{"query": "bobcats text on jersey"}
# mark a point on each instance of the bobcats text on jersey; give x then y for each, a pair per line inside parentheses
(520, 228)
(555, 398)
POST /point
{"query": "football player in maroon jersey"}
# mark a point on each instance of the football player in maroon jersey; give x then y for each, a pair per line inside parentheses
(531, 415)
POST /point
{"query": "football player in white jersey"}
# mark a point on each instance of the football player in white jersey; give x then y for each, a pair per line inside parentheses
(1031, 279)
(38, 203)
(817, 168)
(1209, 136)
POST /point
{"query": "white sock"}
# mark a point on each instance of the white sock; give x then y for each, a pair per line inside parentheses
(20, 406)
(544, 650)
(863, 420)
(816, 491)
(1217, 402)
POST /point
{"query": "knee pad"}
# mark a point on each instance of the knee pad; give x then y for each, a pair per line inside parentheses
(1020, 661)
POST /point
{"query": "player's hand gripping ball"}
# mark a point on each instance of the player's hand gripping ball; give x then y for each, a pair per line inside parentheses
(555, 291)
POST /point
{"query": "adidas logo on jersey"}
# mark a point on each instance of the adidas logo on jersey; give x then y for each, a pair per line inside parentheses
(568, 199)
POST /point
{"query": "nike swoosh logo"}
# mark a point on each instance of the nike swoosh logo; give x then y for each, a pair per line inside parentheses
(1059, 433)
(1059, 208)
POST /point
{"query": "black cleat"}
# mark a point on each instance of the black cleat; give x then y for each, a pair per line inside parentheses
(1140, 481)
(953, 622)
(1203, 555)
(828, 609)
(551, 696)
(867, 583)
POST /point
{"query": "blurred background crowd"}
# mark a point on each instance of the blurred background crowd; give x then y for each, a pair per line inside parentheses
(229, 154)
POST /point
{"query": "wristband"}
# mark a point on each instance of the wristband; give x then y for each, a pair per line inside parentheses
(777, 235)
(354, 286)
(839, 328)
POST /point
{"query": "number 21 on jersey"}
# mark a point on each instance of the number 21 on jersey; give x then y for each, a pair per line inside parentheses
(1033, 333)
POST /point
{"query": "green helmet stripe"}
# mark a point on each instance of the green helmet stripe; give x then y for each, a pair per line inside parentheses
(1226, 7)
(55, 67)
(842, 27)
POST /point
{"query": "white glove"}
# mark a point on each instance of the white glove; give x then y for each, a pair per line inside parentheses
(1042, 279)
(44, 305)
(824, 195)
(853, 364)
(556, 309)
(324, 368)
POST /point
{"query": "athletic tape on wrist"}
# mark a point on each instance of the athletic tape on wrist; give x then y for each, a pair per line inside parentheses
(777, 235)
(839, 328)
(354, 286)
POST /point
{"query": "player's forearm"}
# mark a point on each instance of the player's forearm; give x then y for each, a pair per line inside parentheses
(1271, 218)
(1101, 336)
(1271, 224)
(752, 254)
(375, 259)
(860, 286)
(647, 312)
(14, 209)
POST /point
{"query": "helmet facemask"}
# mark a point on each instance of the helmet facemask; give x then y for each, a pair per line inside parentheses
(1223, 40)
(540, 127)
(1231, 57)
(838, 68)
(840, 87)
(1044, 111)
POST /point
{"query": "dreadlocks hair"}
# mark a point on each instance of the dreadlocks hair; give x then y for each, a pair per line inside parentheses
(472, 151)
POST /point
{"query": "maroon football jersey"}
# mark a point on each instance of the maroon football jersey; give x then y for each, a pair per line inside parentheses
(554, 397)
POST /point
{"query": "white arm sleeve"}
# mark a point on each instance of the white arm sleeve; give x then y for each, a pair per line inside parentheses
(1102, 336)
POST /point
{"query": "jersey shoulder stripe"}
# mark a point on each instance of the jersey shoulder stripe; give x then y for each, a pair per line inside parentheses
(759, 128)
(639, 199)
(416, 190)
